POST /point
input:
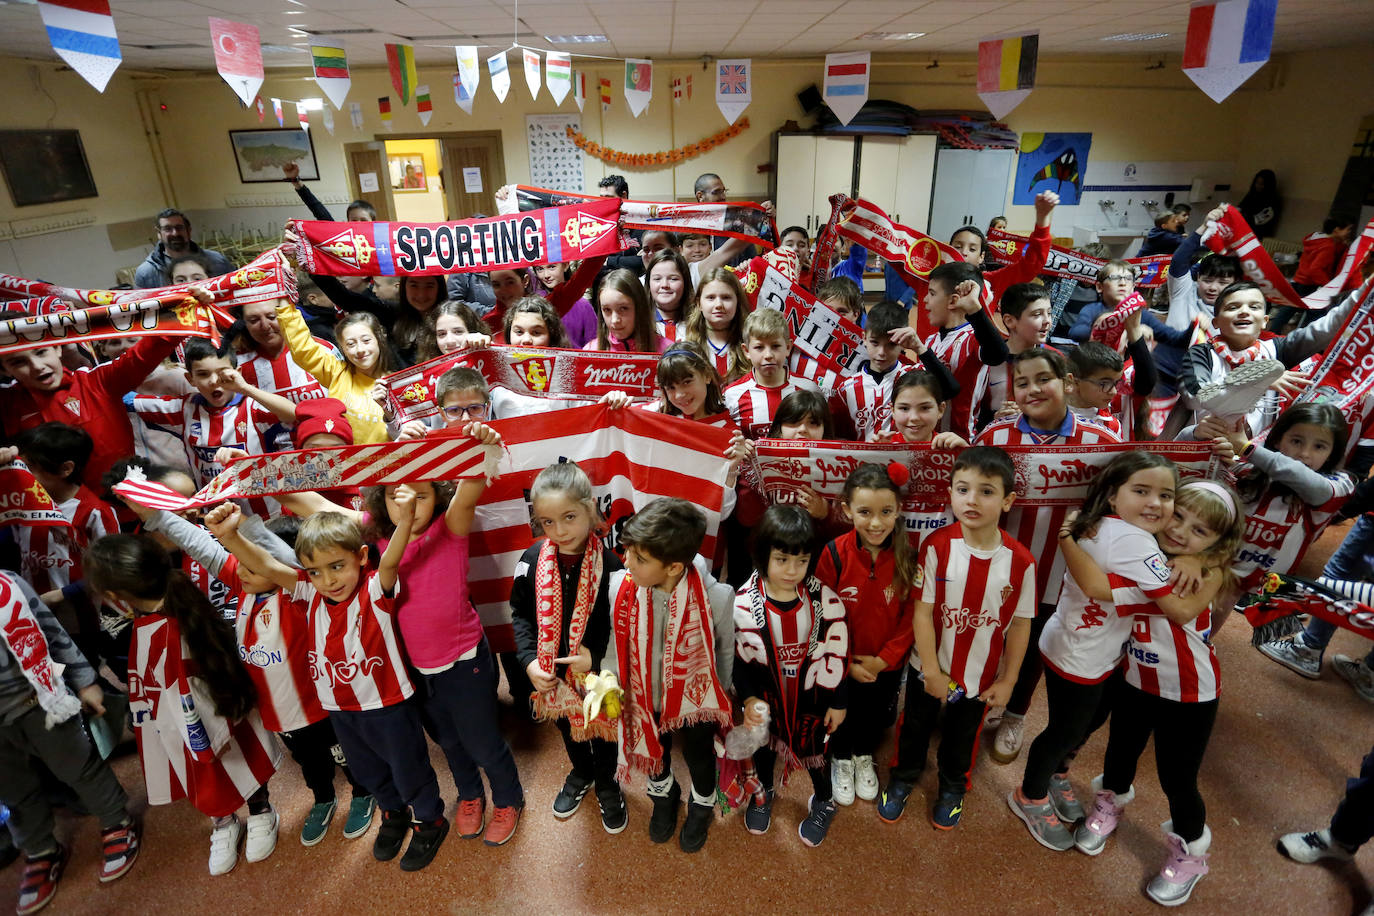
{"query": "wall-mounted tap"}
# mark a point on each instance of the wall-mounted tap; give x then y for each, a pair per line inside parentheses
(1106, 204)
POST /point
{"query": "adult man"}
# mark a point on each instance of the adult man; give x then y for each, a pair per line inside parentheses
(711, 190)
(613, 186)
(631, 258)
(174, 232)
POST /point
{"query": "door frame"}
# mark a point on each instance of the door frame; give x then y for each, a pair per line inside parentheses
(452, 180)
(376, 145)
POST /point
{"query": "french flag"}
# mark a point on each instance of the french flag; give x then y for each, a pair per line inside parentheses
(1228, 41)
(82, 32)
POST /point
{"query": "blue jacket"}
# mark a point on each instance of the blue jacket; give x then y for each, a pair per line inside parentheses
(1160, 241)
(1170, 343)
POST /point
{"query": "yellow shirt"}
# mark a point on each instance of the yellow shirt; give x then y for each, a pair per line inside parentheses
(337, 376)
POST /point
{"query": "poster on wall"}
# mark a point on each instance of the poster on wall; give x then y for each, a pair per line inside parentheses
(555, 161)
(1051, 162)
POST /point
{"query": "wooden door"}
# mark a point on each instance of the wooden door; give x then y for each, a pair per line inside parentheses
(795, 174)
(369, 158)
(480, 150)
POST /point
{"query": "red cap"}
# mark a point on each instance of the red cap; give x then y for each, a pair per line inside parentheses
(322, 415)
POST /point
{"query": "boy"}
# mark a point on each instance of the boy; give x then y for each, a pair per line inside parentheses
(358, 666)
(779, 616)
(1025, 310)
(1107, 392)
(862, 404)
(844, 296)
(754, 399)
(696, 247)
(674, 688)
(966, 339)
(983, 584)
(1164, 238)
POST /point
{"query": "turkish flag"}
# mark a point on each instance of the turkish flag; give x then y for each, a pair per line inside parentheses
(238, 56)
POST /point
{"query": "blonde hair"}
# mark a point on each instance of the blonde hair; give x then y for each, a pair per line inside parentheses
(766, 325)
(697, 329)
(1214, 511)
(324, 530)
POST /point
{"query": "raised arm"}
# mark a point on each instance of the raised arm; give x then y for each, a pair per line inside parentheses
(463, 506)
(223, 522)
(389, 567)
(308, 353)
(283, 409)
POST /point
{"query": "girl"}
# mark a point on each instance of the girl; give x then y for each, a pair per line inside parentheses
(690, 386)
(579, 318)
(872, 568)
(367, 358)
(1171, 689)
(624, 319)
(193, 703)
(533, 322)
(507, 286)
(917, 406)
(803, 414)
(419, 296)
(716, 323)
(188, 268)
(1127, 504)
(561, 613)
(670, 288)
(448, 327)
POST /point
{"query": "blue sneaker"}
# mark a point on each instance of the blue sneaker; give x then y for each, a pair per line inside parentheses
(758, 817)
(948, 808)
(813, 829)
(892, 802)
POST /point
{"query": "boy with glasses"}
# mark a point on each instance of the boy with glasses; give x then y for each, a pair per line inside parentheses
(1109, 392)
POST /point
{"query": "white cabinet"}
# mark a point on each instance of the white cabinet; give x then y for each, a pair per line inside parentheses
(895, 173)
(970, 188)
(795, 172)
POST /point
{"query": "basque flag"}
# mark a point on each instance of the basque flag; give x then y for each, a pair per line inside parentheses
(82, 32)
(1227, 42)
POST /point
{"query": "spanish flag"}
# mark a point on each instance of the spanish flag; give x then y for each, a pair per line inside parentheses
(1008, 63)
(400, 60)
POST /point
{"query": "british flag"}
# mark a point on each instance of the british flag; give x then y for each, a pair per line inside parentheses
(734, 79)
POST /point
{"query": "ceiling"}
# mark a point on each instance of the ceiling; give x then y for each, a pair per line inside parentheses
(174, 33)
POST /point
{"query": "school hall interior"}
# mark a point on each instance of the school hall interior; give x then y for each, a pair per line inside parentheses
(162, 134)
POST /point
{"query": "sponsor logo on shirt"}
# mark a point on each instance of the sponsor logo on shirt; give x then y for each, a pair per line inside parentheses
(1093, 616)
(1159, 567)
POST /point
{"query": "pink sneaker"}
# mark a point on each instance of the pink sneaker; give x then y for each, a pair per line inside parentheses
(1091, 835)
(1185, 866)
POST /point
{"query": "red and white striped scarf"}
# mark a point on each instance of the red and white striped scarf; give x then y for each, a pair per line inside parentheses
(26, 642)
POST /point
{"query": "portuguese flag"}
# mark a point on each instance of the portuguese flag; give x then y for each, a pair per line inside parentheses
(400, 60)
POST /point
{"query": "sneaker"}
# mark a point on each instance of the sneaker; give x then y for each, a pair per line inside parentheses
(317, 822)
(865, 778)
(224, 847)
(1091, 835)
(1006, 743)
(695, 826)
(1356, 673)
(425, 840)
(842, 781)
(569, 798)
(1294, 655)
(816, 825)
(360, 811)
(390, 835)
(262, 836)
(468, 820)
(758, 817)
(948, 808)
(893, 800)
(501, 827)
(1041, 821)
(663, 822)
(1181, 872)
(1065, 802)
(1242, 389)
(1306, 848)
(119, 847)
(39, 884)
(614, 817)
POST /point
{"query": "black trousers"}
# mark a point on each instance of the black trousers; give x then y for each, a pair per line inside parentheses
(870, 711)
(698, 745)
(958, 737)
(593, 760)
(1075, 710)
(387, 751)
(316, 751)
(766, 761)
(1353, 822)
(1032, 666)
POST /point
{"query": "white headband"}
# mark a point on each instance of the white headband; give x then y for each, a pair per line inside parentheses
(1211, 486)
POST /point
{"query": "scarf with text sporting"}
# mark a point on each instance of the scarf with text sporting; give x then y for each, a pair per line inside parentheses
(1345, 376)
(23, 501)
(736, 219)
(692, 692)
(29, 646)
(564, 701)
(1233, 235)
(510, 242)
(534, 371)
(825, 347)
(51, 322)
(1062, 262)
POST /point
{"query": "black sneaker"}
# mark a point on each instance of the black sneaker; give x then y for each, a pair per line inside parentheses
(758, 817)
(813, 829)
(569, 798)
(424, 844)
(614, 817)
(663, 822)
(695, 827)
(390, 835)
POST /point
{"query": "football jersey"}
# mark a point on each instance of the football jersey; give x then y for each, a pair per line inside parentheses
(1279, 528)
(281, 375)
(753, 405)
(957, 348)
(1173, 661)
(241, 423)
(790, 631)
(865, 402)
(50, 557)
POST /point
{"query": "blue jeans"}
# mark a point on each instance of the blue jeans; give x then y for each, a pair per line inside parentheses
(1348, 562)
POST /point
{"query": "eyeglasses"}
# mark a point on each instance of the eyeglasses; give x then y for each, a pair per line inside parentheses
(1108, 385)
(471, 411)
(1119, 278)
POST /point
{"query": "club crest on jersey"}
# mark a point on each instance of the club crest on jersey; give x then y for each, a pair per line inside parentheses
(1006, 592)
(73, 405)
(1159, 567)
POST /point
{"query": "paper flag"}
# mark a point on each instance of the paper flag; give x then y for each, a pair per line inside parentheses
(461, 94)
(400, 60)
(733, 91)
(302, 116)
(605, 94)
(558, 67)
(468, 70)
(331, 73)
(276, 110)
(423, 106)
(689, 87)
(677, 90)
(238, 56)
(1006, 71)
(328, 117)
(639, 84)
(1227, 42)
(532, 72)
(82, 32)
(500, 76)
(846, 83)
(261, 108)
(355, 114)
(384, 106)
(580, 89)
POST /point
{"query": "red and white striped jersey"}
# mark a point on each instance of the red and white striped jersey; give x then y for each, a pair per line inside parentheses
(791, 634)
(1085, 639)
(241, 423)
(668, 329)
(957, 348)
(1038, 527)
(1174, 662)
(975, 595)
(1100, 417)
(753, 405)
(356, 662)
(1120, 416)
(866, 402)
(1280, 527)
(990, 392)
(220, 595)
(281, 375)
(50, 557)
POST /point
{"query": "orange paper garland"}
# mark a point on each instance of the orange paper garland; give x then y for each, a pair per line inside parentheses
(668, 157)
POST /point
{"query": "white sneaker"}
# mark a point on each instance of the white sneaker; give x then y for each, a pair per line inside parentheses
(1356, 674)
(842, 781)
(262, 836)
(1006, 745)
(1242, 388)
(224, 847)
(865, 777)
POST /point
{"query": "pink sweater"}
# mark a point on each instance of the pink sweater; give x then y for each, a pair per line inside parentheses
(438, 622)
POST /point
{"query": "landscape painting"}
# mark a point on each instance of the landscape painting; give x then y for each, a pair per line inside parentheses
(261, 154)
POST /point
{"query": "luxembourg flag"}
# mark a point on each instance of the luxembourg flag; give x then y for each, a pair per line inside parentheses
(1228, 41)
(82, 32)
(846, 83)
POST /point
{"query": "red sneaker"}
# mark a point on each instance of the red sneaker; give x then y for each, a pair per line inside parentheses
(502, 825)
(120, 846)
(39, 883)
(468, 820)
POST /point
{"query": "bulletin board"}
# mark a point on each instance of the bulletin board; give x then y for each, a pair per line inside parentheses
(555, 161)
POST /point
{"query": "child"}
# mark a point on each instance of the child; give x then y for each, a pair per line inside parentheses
(862, 404)
(625, 320)
(1025, 311)
(791, 648)
(1116, 281)
(579, 318)
(448, 327)
(753, 399)
(674, 688)
(844, 296)
(803, 414)
(367, 358)
(507, 287)
(1193, 291)
(689, 386)
(193, 704)
(973, 245)
(561, 613)
(983, 584)
(696, 247)
(39, 719)
(1040, 384)
(872, 569)
(670, 287)
(419, 297)
(1108, 392)
(966, 339)
(533, 322)
(1127, 504)
(1322, 253)
(358, 667)
(716, 323)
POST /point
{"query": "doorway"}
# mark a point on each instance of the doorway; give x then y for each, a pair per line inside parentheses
(416, 181)
(460, 172)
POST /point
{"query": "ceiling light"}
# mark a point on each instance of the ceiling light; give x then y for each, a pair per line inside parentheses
(890, 36)
(293, 12)
(1136, 36)
(283, 49)
(312, 104)
(338, 31)
(574, 39)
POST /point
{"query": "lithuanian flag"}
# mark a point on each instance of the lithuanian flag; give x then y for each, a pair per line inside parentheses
(400, 60)
(330, 63)
(1008, 63)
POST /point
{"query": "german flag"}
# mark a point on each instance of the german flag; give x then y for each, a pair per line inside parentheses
(400, 60)
(1008, 63)
(330, 63)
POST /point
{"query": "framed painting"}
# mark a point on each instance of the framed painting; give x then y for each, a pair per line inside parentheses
(45, 166)
(261, 153)
(407, 172)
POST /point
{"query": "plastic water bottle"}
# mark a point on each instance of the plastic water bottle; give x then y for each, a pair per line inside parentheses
(195, 729)
(743, 740)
